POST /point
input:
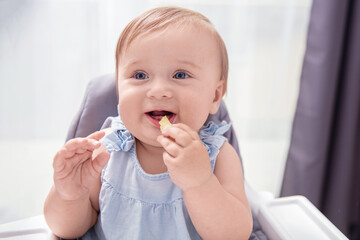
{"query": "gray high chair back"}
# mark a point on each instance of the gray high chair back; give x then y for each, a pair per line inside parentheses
(100, 102)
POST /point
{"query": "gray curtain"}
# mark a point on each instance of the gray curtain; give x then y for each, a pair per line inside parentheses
(324, 156)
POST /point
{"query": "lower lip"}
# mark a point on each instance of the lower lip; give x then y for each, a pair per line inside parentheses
(156, 123)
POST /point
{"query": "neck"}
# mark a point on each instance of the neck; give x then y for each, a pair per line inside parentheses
(150, 158)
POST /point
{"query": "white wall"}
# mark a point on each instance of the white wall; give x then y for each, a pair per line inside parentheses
(50, 49)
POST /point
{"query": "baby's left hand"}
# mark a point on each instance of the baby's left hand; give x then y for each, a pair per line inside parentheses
(185, 156)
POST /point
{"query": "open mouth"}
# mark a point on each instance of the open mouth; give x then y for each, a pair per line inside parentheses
(155, 116)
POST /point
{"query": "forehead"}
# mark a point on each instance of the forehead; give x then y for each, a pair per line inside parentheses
(182, 39)
(173, 43)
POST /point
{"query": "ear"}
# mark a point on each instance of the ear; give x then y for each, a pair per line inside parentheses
(219, 93)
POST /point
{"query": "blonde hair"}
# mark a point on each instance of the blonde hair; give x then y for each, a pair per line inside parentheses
(162, 17)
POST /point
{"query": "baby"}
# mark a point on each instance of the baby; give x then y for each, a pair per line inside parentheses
(182, 182)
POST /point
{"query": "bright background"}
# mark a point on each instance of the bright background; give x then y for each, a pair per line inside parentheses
(49, 50)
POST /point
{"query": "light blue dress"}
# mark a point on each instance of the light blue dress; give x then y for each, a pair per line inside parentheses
(138, 205)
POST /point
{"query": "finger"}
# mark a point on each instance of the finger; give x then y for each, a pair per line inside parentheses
(170, 146)
(100, 161)
(186, 128)
(80, 145)
(60, 158)
(66, 165)
(71, 149)
(70, 154)
(97, 135)
(93, 168)
(181, 136)
(59, 161)
(168, 160)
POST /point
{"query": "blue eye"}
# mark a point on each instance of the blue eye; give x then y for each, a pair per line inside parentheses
(140, 75)
(181, 75)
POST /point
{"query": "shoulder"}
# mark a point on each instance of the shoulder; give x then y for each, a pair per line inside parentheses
(228, 157)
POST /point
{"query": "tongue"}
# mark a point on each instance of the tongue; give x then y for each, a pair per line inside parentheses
(159, 114)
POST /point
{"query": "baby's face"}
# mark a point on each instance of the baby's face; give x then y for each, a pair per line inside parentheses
(174, 73)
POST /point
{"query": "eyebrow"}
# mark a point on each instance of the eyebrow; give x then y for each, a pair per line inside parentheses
(132, 62)
(190, 63)
(180, 61)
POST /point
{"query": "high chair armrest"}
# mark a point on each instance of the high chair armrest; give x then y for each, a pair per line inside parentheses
(27, 229)
(290, 218)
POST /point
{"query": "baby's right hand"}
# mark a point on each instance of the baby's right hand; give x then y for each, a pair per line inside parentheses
(78, 165)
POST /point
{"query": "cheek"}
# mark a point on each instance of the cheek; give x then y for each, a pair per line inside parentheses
(129, 108)
(129, 96)
(125, 114)
(196, 110)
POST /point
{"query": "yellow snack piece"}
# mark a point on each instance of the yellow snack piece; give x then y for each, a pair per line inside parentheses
(164, 123)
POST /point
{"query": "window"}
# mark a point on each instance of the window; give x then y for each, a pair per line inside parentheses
(51, 49)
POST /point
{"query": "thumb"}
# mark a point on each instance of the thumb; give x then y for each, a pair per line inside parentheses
(97, 135)
(100, 161)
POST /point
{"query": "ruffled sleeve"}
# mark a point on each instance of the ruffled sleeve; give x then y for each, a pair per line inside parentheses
(212, 137)
(119, 139)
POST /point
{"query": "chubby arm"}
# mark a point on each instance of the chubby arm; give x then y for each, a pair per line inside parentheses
(215, 201)
(71, 207)
(220, 201)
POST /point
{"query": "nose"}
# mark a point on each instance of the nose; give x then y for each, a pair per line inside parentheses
(160, 88)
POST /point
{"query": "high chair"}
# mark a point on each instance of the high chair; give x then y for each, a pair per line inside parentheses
(274, 218)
